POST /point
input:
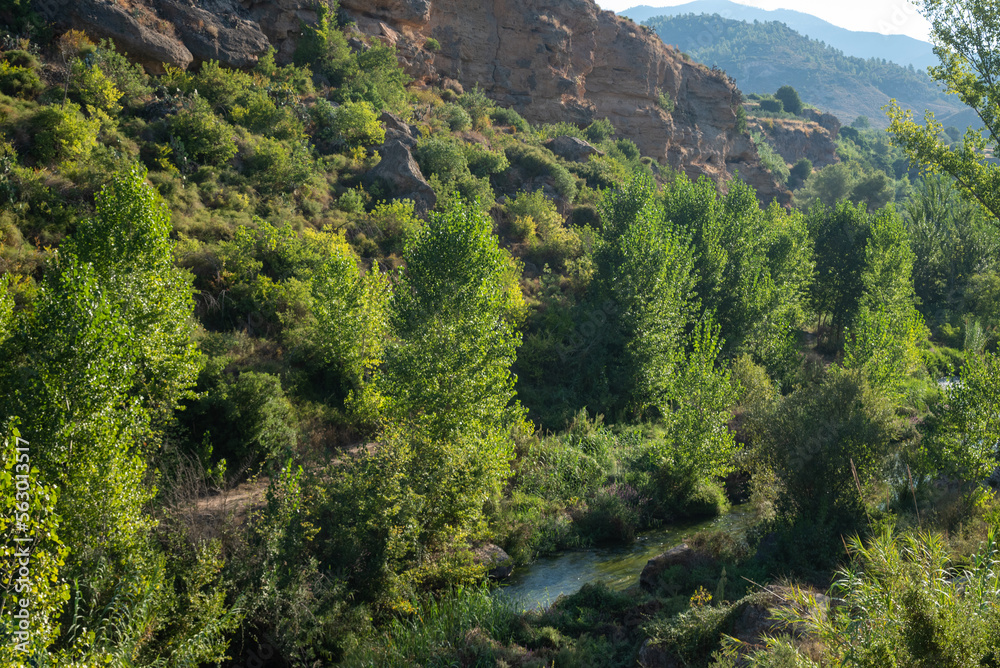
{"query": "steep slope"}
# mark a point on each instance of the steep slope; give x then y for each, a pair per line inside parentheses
(551, 61)
(899, 49)
(570, 61)
(764, 56)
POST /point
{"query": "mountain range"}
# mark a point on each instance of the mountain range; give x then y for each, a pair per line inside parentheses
(899, 49)
(763, 56)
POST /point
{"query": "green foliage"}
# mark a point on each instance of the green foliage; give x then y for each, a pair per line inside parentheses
(127, 77)
(470, 622)
(753, 267)
(447, 382)
(128, 244)
(814, 437)
(19, 80)
(91, 430)
(771, 105)
(63, 133)
(203, 137)
(351, 314)
(93, 89)
(789, 99)
(801, 171)
(770, 158)
(350, 124)
(906, 604)
(644, 267)
(543, 229)
(509, 117)
(664, 100)
(955, 247)
(273, 166)
(248, 419)
(432, 44)
(964, 34)
(477, 105)
(380, 80)
(965, 429)
(29, 525)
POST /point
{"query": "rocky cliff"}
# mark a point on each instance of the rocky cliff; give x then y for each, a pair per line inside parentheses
(570, 61)
(551, 60)
(795, 139)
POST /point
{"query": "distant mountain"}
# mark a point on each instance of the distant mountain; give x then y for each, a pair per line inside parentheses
(765, 56)
(896, 48)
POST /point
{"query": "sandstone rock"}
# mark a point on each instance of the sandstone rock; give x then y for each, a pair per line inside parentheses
(794, 140)
(570, 61)
(222, 35)
(682, 555)
(828, 121)
(142, 41)
(498, 562)
(571, 148)
(400, 174)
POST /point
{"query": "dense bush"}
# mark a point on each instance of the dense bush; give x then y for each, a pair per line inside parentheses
(200, 137)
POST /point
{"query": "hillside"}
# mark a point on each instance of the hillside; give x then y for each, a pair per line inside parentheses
(899, 49)
(764, 56)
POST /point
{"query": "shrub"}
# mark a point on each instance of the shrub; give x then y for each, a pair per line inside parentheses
(442, 157)
(483, 162)
(204, 137)
(771, 105)
(93, 89)
(63, 133)
(509, 117)
(221, 87)
(19, 80)
(789, 98)
(381, 81)
(127, 77)
(801, 171)
(600, 130)
(478, 105)
(246, 419)
(432, 44)
(273, 166)
(454, 116)
(771, 159)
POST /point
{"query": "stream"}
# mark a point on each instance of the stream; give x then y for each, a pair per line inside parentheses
(539, 584)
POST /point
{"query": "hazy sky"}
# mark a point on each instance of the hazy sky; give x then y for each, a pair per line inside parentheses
(884, 16)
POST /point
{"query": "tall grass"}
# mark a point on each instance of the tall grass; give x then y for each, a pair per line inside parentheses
(467, 626)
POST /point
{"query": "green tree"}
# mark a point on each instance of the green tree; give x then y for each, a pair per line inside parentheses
(128, 244)
(965, 34)
(955, 246)
(644, 272)
(28, 525)
(790, 99)
(447, 383)
(966, 428)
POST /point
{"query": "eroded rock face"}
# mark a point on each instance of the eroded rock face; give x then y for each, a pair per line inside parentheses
(794, 140)
(570, 61)
(181, 33)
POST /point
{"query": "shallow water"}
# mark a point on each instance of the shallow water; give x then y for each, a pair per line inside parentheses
(538, 585)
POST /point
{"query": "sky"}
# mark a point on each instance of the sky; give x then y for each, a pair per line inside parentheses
(890, 17)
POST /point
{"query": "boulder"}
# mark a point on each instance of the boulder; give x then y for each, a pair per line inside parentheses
(571, 148)
(498, 563)
(400, 174)
(682, 555)
(397, 129)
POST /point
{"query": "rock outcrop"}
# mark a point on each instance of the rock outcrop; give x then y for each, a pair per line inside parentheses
(181, 33)
(571, 61)
(682, 556)
(795, 139)
(551, 61)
